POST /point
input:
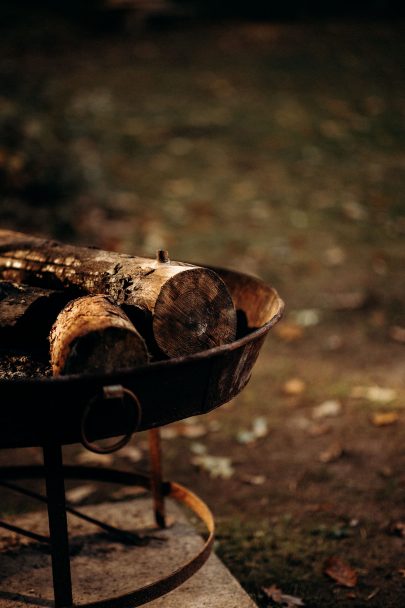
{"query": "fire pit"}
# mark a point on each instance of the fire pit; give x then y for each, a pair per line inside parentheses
(52, 412)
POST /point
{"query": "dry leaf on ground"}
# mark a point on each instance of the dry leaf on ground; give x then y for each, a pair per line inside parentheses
(127, 493)
(332, 453)
(397, 334)
(307, 317)
(293, 387)
(319, 428)
(91, 458)
(377, 394)
(289, 332)
(193, 431)
(397, 528)
(276, 594)
(340, 571)
(187, 429)
(351, 300)
(335, 256)
(258, 431)
(384, 418)
(253, 480)
(77, 495)
(327, 409)
(131, 453)
(216, 466)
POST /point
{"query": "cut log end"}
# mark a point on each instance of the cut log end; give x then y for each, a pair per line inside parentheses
(194, 312)
(93, 335)
(104, 351)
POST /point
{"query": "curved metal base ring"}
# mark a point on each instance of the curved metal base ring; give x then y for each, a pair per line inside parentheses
(179, 493)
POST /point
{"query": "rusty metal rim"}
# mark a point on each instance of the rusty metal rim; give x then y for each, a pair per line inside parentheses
(181, 494)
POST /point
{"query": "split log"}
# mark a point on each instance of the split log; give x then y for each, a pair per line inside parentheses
(91, 334)
(190, 306)
(27, 313)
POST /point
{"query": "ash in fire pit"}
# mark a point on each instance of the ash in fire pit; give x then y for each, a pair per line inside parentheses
(17, 366)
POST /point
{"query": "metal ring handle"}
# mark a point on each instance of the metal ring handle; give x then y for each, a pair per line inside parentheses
(113, 392)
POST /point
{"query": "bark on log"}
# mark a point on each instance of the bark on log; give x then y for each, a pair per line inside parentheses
(27, 313)
(92, 334)
(191, 307)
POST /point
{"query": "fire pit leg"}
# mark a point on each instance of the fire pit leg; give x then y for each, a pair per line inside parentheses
(156, 477)
(55, 490)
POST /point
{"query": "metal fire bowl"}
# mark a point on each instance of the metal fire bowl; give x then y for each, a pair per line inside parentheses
(35, 411)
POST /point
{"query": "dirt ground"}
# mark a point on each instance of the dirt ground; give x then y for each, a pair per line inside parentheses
(275, 149)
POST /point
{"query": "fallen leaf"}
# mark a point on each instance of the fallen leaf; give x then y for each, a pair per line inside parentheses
(397, 334)
(289, 332)
(293, 387)
(288, 601)
(128, 492)
(401, 571)
(91, 458)
(377, 394)
(354, 210)
(340, 571)
(384, 418)
(193, 431)
(214, 426)
(187, 429)
(386, 472)
(260, 427)
(335, 256)
(351, 300)
(307, 317)
(198, 448)
(77, 495)
(332, 453)
(378, 318)
(258, 431)
(372, 594)
(169, 432)
(302, 423)
(397, 528)
(319, 428)
(254, 480)
(245, 437)
(216, 466)
(327, 409)
(322, 507)
(131, 453)
(334, 342)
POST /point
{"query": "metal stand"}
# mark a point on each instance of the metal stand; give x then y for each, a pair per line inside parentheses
(59, 538)
(55, 474)
(155, 451)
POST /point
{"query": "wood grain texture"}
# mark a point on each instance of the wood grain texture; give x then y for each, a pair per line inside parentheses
(27, 313)
(184, 321)
(92, 334)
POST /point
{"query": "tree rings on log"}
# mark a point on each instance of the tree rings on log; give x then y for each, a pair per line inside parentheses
(193, 312)
(93, 335)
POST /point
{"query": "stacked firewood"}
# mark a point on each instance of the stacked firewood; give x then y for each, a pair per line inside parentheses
(105, 311)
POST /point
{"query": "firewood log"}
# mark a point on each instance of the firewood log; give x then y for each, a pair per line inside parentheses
(92, 334)
(190, 306)
(27, 313)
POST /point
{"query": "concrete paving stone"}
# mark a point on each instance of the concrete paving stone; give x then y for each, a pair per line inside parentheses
(102, 567)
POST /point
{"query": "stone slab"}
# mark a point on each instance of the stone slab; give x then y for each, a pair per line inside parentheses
(103, 568)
